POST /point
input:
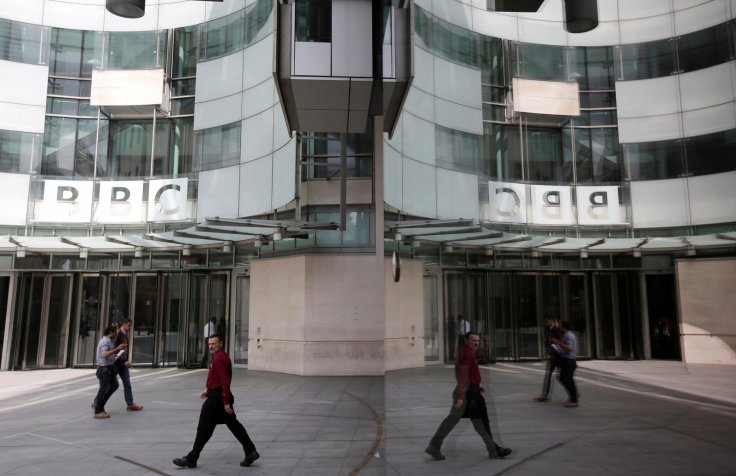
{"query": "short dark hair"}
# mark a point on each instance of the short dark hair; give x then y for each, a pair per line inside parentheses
(470, 334)
(215, 336)
(127, 320)
(110, 330)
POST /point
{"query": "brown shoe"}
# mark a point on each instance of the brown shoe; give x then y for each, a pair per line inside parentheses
(570, 404)
(135, 408)
(98, 416)
(541, 398)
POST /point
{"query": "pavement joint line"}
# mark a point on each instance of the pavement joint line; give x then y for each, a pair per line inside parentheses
(622, 387)
(377, 442)
(140, 465)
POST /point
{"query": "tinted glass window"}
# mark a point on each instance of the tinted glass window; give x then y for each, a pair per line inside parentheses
(647, 60)
(655, 160)
(704, 48)
(711, 153)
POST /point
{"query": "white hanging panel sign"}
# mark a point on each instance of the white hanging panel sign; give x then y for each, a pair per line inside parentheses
(599, 206)
(65, 201)
(552, 205)
(120, 202)
(167, 200)
(14, 198)
(507, 202)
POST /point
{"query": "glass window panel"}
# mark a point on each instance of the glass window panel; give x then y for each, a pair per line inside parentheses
(59, 146)
(223, 36)
(84, 165)
(491, 60)
(21, 42)
(258, 21)
(18, 150)
(704, 48)
(136, 50)
(422, 28)
(314, 20)
(646, 60)
(711, 153)
(183, 87)
(180, 107)
(186, 46)
(218, 146)
(181, 153)
(502, 151)
(540, 62)
(130, 148)
(61, 106)
(592, 67)
(597, 156)
(64, 87)
(102, 148)
(458, 150)
(545, 154)
(455, 43)
(86, 109)
(654, 160)
(357, 230)
(92, 43)
(65, 52)
(327, 238)
(596, 118)
(597, 100)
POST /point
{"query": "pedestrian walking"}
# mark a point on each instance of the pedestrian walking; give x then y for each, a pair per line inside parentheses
(467, 402)
(552, 333)
(105, 355)
(218, 408)
(123, 365)
(568, 354)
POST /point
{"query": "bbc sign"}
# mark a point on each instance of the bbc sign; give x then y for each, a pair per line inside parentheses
(553, 205)
(120, 202)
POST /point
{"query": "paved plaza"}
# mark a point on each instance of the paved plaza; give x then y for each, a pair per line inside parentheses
(642, 417)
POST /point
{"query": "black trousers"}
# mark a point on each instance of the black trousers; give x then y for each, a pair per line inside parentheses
(567, 369)
(108, 378)
(213, 413)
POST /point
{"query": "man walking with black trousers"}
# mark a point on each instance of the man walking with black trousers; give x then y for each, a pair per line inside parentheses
(467, 402)
(218, 408)
(105, 356)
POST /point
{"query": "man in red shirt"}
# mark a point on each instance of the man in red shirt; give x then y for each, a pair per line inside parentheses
(468, 402)
(218, 408)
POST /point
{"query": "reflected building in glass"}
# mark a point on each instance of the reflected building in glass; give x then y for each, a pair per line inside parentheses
(193, 164)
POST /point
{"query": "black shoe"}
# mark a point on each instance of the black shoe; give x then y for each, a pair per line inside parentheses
(185, 462)
(500, 452)
(434, 453)
(249, 458)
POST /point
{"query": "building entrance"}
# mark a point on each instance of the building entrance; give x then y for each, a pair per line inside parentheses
(662, 311)
(42, 321)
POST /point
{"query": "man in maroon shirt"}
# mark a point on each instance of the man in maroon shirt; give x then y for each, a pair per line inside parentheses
(468, 402)
(218, 408)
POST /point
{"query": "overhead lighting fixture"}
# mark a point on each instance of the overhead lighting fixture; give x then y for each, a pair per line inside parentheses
(20, 252)
(583, 253)
(448, 249)
(277, 235)
(126, 8)
(186, 250)
(581, 16)
(416, 244)
(258, 243)
(83, 253)
(397, 236)
(227, 247)
(138, 253)
(691, 251)
(489, 252)
(535, 253)
(637, 253)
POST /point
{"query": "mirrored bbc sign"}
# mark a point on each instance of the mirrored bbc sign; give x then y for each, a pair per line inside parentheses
(553, 205)
(73, 201)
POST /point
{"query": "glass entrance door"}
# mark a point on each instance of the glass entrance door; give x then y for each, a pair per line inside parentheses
(143, 339)
(43, 316)
(90, 320)
(208, 299)
(240, 319)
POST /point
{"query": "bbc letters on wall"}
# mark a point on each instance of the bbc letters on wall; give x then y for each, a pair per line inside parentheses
(72, 201)
(553, 204)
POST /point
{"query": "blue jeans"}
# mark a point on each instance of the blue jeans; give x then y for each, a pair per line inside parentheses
(124, 373)
(108, 384)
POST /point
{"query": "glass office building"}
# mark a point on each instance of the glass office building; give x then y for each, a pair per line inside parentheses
(148, 169)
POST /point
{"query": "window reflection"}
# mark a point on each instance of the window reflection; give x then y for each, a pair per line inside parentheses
(314, 20)
(646, 60)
